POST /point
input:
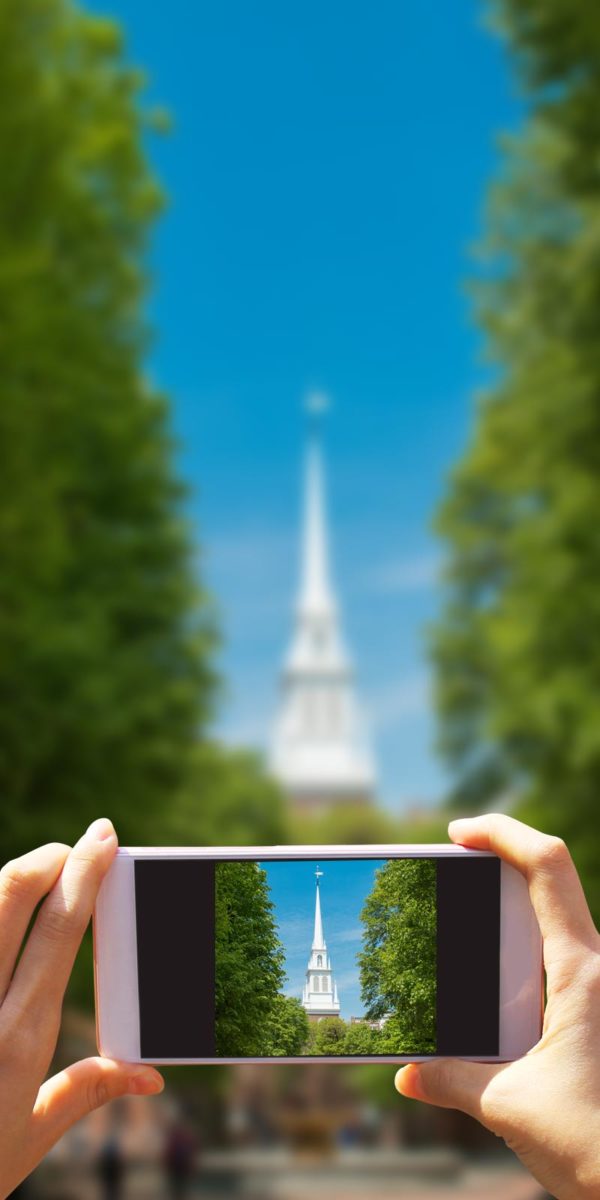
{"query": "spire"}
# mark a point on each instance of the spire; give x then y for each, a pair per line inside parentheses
(319, 749)
(318, 938)
(315, 593)
(319, 995)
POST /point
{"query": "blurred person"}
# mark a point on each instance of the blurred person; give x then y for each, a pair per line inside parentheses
(546, 1105)
(179, 1155)
(35, 1114)
(110, 1163)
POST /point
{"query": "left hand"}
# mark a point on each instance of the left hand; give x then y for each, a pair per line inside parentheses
(34, 1114)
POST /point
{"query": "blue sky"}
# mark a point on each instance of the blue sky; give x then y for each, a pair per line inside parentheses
(326, 175)
(344, 888)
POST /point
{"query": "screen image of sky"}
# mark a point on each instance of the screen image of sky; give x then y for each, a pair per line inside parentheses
(325, 174)
(345, 885)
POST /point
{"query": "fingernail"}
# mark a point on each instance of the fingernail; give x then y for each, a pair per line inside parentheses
(458, 824)
(146, 1083)
(408, 1083)
(100, 830)
(398, 1080)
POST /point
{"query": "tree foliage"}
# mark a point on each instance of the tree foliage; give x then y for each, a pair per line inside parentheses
(336, 1038)
(327, 1037)
(362, 1039)
(398, 956)
(287, 1029)
(344, 824)
(517, 657)
(228, 799)
(252, 1017)
(106, 635)
(105, 676)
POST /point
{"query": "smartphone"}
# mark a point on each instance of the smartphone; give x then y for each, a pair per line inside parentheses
(302, 953)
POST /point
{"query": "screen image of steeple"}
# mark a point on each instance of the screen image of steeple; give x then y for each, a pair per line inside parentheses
(320, 994)
(320, 752)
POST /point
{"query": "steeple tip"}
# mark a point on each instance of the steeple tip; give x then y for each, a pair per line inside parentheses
(317, 403)
(316, 592)
(318, 937)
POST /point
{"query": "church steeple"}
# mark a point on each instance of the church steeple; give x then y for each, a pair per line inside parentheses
(318, 938)
(319, 751)
(320, 994)
(315, 593)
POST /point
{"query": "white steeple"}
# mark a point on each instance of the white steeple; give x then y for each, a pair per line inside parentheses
(319, 751)
(320, 994)
(315, 596)
(318, 942)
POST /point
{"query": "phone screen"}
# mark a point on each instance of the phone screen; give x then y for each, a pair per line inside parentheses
(344, 957)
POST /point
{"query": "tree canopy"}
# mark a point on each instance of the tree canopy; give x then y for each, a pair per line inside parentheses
(398, 956)
(327, 1037)
(517, 658)
(105, 635)
(106, 632)
(287, 1030)
(253, 1017)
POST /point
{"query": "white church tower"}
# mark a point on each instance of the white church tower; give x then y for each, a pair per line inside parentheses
(320, 995)
(319, 752)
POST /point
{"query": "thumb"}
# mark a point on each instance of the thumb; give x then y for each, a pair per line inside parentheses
(81, 1088)
(448, 1083)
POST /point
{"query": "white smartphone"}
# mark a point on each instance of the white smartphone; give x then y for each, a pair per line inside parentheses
(297, 953)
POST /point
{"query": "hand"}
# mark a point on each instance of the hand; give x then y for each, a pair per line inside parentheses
(546, 1105)
(34, 1117)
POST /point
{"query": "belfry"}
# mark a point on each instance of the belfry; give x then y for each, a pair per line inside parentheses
(320, 995)
(319, 752)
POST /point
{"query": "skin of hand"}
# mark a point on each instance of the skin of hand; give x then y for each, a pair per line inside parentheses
(545, 1105)
(35, 1114)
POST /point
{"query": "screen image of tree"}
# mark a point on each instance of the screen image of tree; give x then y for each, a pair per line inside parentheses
(335, 958)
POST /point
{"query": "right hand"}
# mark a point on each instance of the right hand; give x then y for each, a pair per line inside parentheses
(545, 1105)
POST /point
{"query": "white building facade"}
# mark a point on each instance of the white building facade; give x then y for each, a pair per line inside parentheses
(320, 994)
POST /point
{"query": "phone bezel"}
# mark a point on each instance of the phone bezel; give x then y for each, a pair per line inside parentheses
(115, 950)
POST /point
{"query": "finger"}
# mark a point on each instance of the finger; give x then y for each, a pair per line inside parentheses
(447, 1083)
(23, 883)
(554, 885)
(47, 960)
(80, 1089)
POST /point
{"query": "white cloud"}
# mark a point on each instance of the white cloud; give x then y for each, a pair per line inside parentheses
(254, 573)
(252, 550)
(296, 992)
(404, 575)
(294, 932)
(346, 979)
(252, 730)
(349, 935)
(396, 702)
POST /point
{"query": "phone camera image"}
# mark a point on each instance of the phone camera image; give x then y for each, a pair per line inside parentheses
(336, 958)
(344, 958)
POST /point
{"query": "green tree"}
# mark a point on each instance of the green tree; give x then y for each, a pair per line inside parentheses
(517, 657)
(229, 799)
(287, 1028)
(347, 824)
(362, 1039)
(398, 957)
(105, 637)
(327, 1036)
(249, 960)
